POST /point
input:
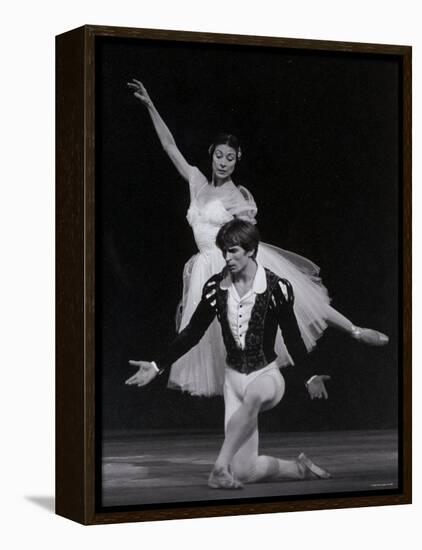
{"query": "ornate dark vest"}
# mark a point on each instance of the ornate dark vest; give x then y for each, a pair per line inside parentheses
(252, 357)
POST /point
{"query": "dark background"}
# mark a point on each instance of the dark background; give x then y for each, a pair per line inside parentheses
(320, 138)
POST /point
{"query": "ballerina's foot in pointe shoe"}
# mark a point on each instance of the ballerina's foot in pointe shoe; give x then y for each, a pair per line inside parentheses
(369, 336)
(310, 470)
(222, 478)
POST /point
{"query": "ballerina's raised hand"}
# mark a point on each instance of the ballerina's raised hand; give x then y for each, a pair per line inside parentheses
(140, 92)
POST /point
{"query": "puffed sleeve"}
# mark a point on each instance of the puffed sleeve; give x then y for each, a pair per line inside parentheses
(246, 208)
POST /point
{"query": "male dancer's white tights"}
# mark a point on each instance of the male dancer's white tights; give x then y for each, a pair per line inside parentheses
(247, 465)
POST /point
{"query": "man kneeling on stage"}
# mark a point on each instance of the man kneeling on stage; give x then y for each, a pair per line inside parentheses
(251, 303)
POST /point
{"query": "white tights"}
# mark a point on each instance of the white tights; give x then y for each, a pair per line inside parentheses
(245, 396)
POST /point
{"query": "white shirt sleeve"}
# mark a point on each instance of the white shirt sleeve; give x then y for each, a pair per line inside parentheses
(310, 380)
(153, 363)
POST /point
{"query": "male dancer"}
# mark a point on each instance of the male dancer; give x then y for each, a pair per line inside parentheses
(251, 303)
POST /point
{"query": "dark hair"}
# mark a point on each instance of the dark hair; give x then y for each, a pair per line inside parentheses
(226, 139)
(238, 232)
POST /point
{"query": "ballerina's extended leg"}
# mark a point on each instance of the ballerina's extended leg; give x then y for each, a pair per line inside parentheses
(365, 335)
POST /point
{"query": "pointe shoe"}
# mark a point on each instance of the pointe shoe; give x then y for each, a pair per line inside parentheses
(311, 470)
(370, 336)
(222, 478)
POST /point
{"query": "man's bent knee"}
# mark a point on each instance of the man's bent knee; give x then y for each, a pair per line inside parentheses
(260, 469)
(244, 472)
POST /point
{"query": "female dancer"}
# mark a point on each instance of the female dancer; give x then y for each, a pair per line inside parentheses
(201, 371)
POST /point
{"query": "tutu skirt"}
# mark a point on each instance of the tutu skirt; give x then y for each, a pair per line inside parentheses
(201, 371)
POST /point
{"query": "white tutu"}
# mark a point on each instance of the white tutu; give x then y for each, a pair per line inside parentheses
(201, 370)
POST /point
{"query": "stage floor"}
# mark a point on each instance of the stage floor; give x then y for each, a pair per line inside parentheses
(164, 467)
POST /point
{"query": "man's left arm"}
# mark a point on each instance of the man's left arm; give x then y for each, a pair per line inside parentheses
(283, 300)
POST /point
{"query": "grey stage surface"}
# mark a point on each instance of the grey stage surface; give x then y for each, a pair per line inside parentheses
(162, 467)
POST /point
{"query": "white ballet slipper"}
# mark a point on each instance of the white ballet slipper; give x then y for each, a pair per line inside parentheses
(370, 336)
(311, 470)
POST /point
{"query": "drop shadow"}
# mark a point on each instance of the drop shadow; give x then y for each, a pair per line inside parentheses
(46, 502)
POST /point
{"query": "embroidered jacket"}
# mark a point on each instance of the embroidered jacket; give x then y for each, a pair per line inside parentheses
(273, 309)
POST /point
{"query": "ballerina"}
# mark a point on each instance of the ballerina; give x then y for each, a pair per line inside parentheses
(212, 204)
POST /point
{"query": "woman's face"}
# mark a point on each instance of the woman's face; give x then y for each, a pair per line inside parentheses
(223, 162)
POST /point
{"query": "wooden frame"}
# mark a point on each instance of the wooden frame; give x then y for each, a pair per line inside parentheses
(76, 309)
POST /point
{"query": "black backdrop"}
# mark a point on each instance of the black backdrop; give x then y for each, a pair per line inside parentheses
(320, 134)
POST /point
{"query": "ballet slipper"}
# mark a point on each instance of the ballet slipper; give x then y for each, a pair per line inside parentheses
(369, 336)
(311, 470)
(222, 478)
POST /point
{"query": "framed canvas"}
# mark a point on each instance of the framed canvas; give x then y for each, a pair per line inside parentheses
(316, 154)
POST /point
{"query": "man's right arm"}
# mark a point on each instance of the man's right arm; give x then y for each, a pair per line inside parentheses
(193, 332)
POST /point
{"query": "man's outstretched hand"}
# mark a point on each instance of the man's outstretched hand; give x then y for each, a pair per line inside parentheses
(316, 387)
(145, 374)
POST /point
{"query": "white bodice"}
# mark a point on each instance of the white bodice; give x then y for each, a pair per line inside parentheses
(205, 220)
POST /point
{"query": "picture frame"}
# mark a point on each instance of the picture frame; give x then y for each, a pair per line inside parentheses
(87, 59)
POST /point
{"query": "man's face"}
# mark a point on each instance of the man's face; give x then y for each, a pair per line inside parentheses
(237, 258)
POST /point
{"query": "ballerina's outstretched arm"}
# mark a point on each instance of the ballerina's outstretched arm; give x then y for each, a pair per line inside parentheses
(165, 136)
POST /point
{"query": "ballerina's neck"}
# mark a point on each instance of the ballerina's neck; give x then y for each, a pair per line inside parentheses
(220, 183)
